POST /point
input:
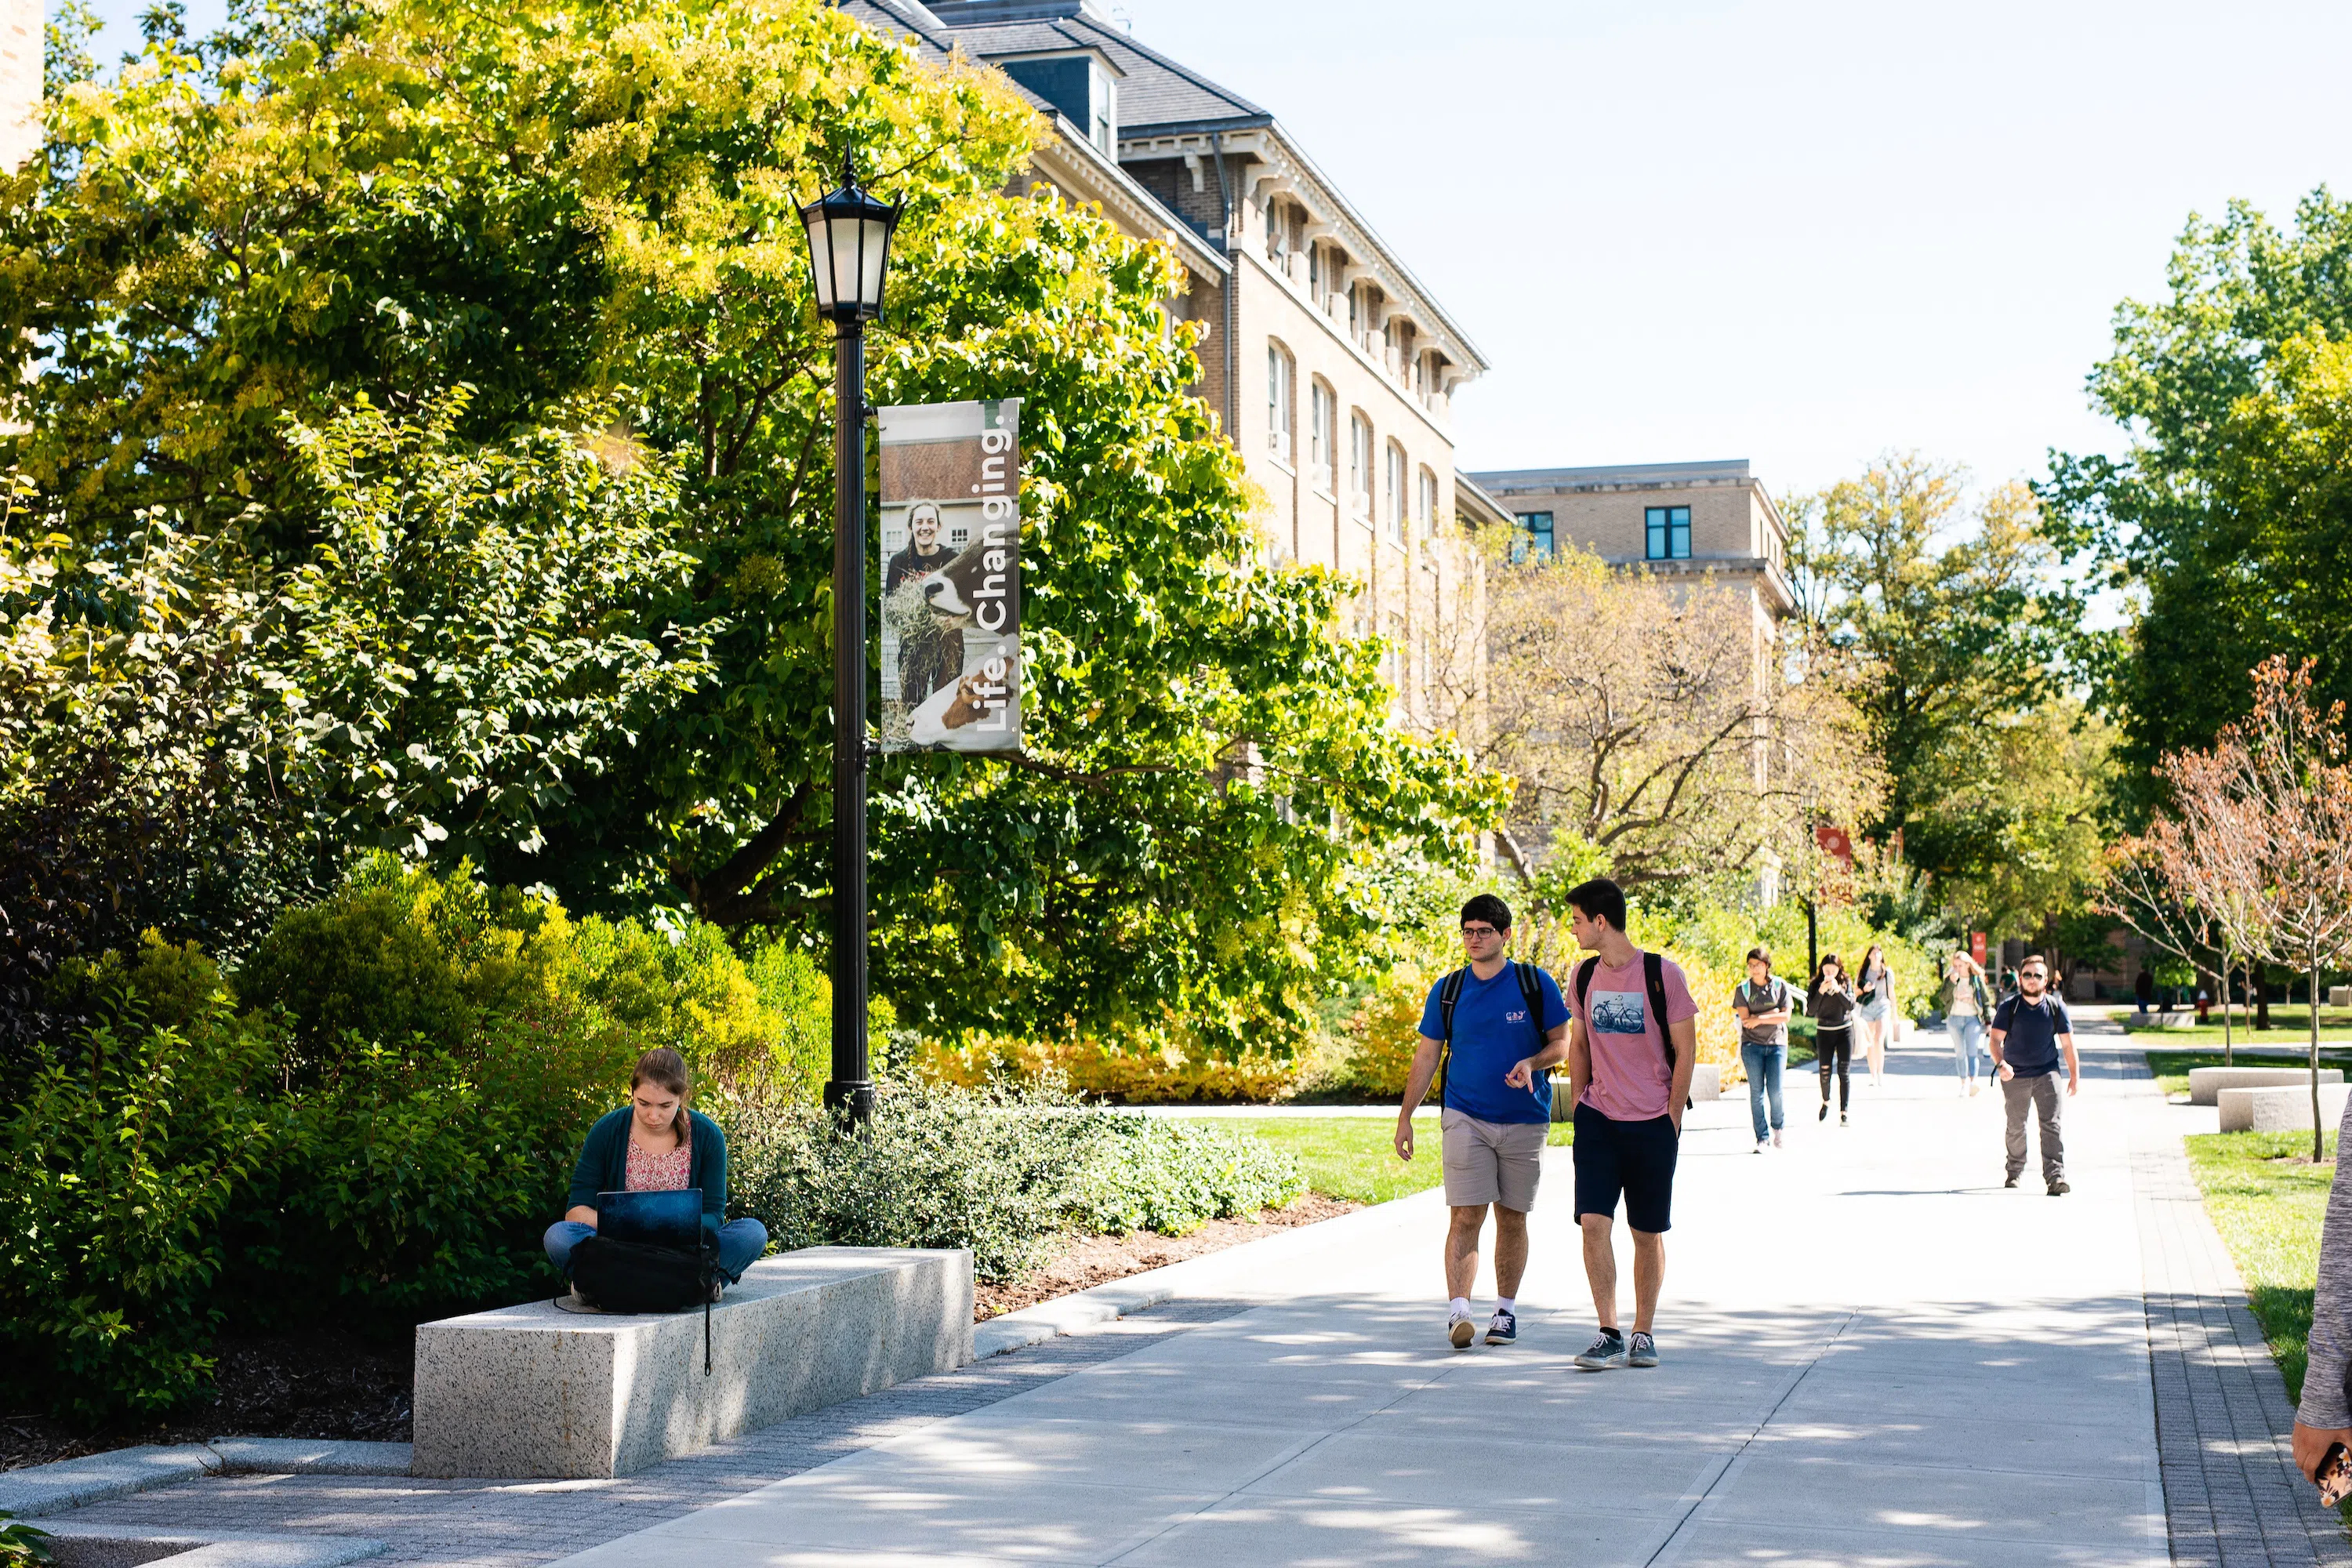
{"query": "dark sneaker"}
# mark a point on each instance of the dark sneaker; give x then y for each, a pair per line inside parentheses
(1607, 1350)
(1644, 1351)
(2011, 1182)
(1824, 1116)
(2058, 1189)
(1842, 1120)
(1461, 1331)
(1502, 1328)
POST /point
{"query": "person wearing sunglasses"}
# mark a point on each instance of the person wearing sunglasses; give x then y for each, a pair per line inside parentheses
(2030, 1033)
(1488, 1021)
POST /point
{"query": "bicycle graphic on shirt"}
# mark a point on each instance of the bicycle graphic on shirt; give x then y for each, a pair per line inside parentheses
(1618, 1014)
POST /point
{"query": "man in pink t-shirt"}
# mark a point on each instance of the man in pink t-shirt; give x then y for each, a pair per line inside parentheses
(1629, 1090)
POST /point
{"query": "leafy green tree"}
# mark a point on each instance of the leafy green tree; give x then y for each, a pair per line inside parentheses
(1952, 628)
(2225, 520)
(238, 239)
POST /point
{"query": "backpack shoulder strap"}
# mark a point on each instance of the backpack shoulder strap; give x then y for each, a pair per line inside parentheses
(1584, 978)
(1653, 977)
(1531, 992)
(1449, 993)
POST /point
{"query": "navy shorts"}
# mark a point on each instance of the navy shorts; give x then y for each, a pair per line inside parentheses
(1633, 1158)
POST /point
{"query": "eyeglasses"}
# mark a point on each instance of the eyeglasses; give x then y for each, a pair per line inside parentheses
(1474, 932)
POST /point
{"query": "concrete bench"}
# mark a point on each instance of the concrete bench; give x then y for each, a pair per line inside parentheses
(537, 1392)
(2205, 1083)
(2280, 1110)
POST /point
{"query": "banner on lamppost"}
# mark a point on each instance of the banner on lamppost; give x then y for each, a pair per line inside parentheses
(951, 589)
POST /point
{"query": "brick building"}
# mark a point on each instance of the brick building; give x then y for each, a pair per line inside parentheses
(1329, 365)
(1676, 520)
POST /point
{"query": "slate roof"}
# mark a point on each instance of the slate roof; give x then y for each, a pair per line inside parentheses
(1155, 93)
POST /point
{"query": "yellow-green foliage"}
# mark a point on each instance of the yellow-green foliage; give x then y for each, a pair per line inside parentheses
(1138, 1068)
(399, 952)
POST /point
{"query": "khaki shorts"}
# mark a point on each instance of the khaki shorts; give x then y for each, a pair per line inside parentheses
(1492, 1162)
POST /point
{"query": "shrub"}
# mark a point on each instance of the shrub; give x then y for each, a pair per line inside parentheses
(119, 1163)
(1135, 1067)
(1174, 1177)
(999, 1170)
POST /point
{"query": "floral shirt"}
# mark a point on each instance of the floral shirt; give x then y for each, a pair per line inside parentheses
(658, 1171)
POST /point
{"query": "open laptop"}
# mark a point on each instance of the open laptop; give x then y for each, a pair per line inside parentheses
(672, 1218)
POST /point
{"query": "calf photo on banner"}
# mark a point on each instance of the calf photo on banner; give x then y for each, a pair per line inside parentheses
(951, 603)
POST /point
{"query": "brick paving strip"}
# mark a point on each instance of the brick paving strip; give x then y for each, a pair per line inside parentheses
(510, 1524)
(2232, 1497)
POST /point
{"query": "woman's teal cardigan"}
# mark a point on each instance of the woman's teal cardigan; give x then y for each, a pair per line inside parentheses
(604, 1163)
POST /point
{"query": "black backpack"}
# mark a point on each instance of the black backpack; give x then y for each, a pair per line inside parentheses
(1450, 992)
(1653, 981)
(632, 1276)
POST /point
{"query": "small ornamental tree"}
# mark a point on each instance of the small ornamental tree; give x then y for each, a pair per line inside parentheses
(2271, 809)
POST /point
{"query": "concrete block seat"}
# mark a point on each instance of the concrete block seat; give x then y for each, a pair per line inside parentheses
(537, 1392)
(2205, 1083)
(2285, 1109)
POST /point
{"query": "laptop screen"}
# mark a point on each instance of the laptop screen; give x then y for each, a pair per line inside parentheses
(671, 1218)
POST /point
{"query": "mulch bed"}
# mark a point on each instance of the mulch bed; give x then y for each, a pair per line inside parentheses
(1081, 1261)
(331, 1383)
(324, 1385)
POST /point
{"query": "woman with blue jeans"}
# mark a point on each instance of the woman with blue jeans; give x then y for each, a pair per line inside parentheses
(655, 1143)
(1968, 1003)
(1763, 1007)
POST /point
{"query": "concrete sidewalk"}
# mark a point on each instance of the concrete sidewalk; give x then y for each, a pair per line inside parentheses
(1872, 1354)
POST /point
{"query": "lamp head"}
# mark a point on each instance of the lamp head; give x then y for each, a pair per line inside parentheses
(849, 248)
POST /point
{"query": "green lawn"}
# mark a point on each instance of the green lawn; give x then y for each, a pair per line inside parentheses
(2267, 1200)
(1350, 1157)
(2171, 1068)
(2289, 1026)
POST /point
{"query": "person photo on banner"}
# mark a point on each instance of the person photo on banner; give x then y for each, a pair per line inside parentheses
(931, 656)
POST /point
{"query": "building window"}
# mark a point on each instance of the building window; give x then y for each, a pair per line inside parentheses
(1669, 533)
(1322, 417)
(1278, 402)
(1359, 466)
(1394, 511)
(1534, 541)
(1425, 505)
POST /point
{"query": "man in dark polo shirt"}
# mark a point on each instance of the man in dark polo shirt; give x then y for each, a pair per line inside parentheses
(2030, 1033)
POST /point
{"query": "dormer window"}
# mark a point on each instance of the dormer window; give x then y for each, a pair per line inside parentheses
(1082, 86)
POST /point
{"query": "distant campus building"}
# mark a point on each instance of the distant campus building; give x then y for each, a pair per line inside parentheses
(1330, 367)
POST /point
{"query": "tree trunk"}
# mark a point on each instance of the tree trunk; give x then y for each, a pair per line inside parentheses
(2229, 1056)
(1813, 943)
(2258, 983)
(2318, 1137)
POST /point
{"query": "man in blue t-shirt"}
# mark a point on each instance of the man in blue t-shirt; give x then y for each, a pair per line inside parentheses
(2030, 1032)
(1492, 1135)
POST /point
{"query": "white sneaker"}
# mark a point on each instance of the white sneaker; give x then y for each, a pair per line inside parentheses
(1460, 1330)
(1761, 1146)
(1775, 1138)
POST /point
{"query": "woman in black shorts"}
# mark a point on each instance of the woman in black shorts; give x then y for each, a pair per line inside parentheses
(1830, 1000)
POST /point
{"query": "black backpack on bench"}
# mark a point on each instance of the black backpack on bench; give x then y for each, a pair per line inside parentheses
(632, 1276)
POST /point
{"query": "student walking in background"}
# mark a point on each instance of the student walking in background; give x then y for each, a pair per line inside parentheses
(1873, 1010)
(2030, 1034)
(1830, 1000)
(1633, 1041)
(1763, 1005)
(1968, 1003)
(1487, 1020)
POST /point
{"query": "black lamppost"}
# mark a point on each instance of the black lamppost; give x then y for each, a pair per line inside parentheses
(849, 249)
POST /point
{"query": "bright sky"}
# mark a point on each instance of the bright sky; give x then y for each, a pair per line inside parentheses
(1800, 233)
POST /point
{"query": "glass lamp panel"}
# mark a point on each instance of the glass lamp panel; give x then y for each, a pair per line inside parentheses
(874, 252)
(819, 239)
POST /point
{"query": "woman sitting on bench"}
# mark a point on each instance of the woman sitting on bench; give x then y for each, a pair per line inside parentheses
(653, 1145)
